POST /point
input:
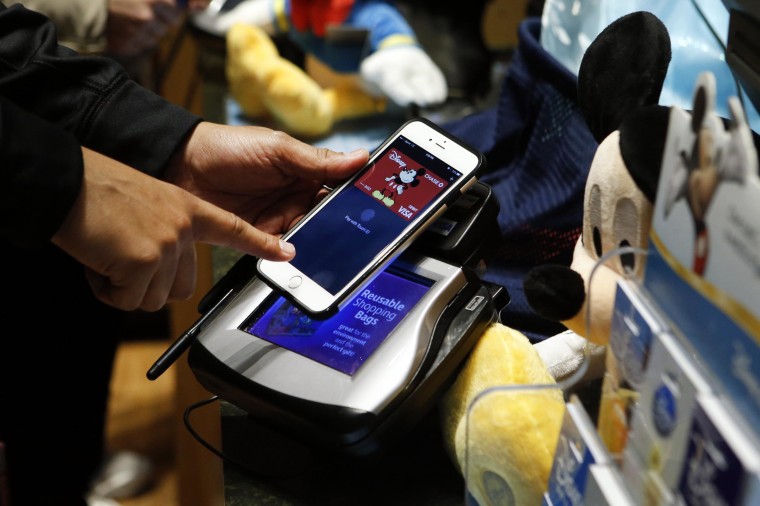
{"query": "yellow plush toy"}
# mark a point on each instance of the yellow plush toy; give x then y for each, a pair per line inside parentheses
(267, 85)
(505, 444)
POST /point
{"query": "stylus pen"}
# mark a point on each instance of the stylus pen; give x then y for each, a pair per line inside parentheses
(182, 343)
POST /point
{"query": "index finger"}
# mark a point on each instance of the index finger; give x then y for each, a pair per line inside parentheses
(212, 225)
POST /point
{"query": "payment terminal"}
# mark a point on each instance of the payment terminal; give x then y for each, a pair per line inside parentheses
(355, 380)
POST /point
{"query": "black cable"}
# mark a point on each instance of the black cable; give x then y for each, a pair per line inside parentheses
(192, 431)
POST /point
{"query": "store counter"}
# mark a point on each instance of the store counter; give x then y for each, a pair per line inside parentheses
(271, 470)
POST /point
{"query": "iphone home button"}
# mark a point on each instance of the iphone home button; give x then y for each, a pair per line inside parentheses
(295, 282)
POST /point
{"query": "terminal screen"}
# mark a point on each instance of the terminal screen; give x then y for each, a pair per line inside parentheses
(347, 339)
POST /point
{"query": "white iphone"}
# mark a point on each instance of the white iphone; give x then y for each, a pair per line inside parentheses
(366, 222)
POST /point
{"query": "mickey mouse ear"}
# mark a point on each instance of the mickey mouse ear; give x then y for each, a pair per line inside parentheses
(643, 133)
(622, 70)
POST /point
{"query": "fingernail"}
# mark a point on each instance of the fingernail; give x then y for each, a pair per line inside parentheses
(356, 152)
(287, 248)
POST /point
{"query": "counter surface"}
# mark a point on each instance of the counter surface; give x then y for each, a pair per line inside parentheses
(270, 469)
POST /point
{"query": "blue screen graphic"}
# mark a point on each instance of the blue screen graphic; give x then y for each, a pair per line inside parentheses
(344, 237)
(347, 339)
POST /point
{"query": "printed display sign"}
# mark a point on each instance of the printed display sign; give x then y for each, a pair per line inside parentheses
(346, 340)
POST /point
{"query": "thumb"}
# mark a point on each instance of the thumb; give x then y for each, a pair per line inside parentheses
(317, 163)
(212, 225)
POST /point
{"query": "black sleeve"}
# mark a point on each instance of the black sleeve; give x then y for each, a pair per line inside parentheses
(40, 176)
(90, 96)
(52, 102)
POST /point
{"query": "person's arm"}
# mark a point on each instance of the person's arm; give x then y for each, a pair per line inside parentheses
(124, 28)
(89, 96)
(134, 233)
(81, 23)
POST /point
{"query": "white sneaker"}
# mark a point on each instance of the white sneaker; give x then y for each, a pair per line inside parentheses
(124, 474)
(93, 500)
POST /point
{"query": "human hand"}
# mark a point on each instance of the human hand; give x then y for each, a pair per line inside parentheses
(404, 74)
(266, 177)
(137, 26)
(136, 235)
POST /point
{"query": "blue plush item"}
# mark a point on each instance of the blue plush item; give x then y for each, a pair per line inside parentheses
(381, 20)
(539, 149)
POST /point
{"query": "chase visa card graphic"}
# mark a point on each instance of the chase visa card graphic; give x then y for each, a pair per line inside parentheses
(401, 184)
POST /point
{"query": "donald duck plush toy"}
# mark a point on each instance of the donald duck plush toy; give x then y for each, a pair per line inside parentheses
(366, 40)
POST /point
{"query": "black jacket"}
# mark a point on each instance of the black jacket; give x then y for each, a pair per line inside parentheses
(52, 102)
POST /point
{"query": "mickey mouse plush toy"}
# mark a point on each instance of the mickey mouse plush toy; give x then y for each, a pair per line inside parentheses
(619, 196)
(618, 89)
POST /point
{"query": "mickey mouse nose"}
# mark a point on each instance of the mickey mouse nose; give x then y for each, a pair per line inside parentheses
(555, 291)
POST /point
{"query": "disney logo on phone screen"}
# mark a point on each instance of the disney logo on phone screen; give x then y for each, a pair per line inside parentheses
(397, 158)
